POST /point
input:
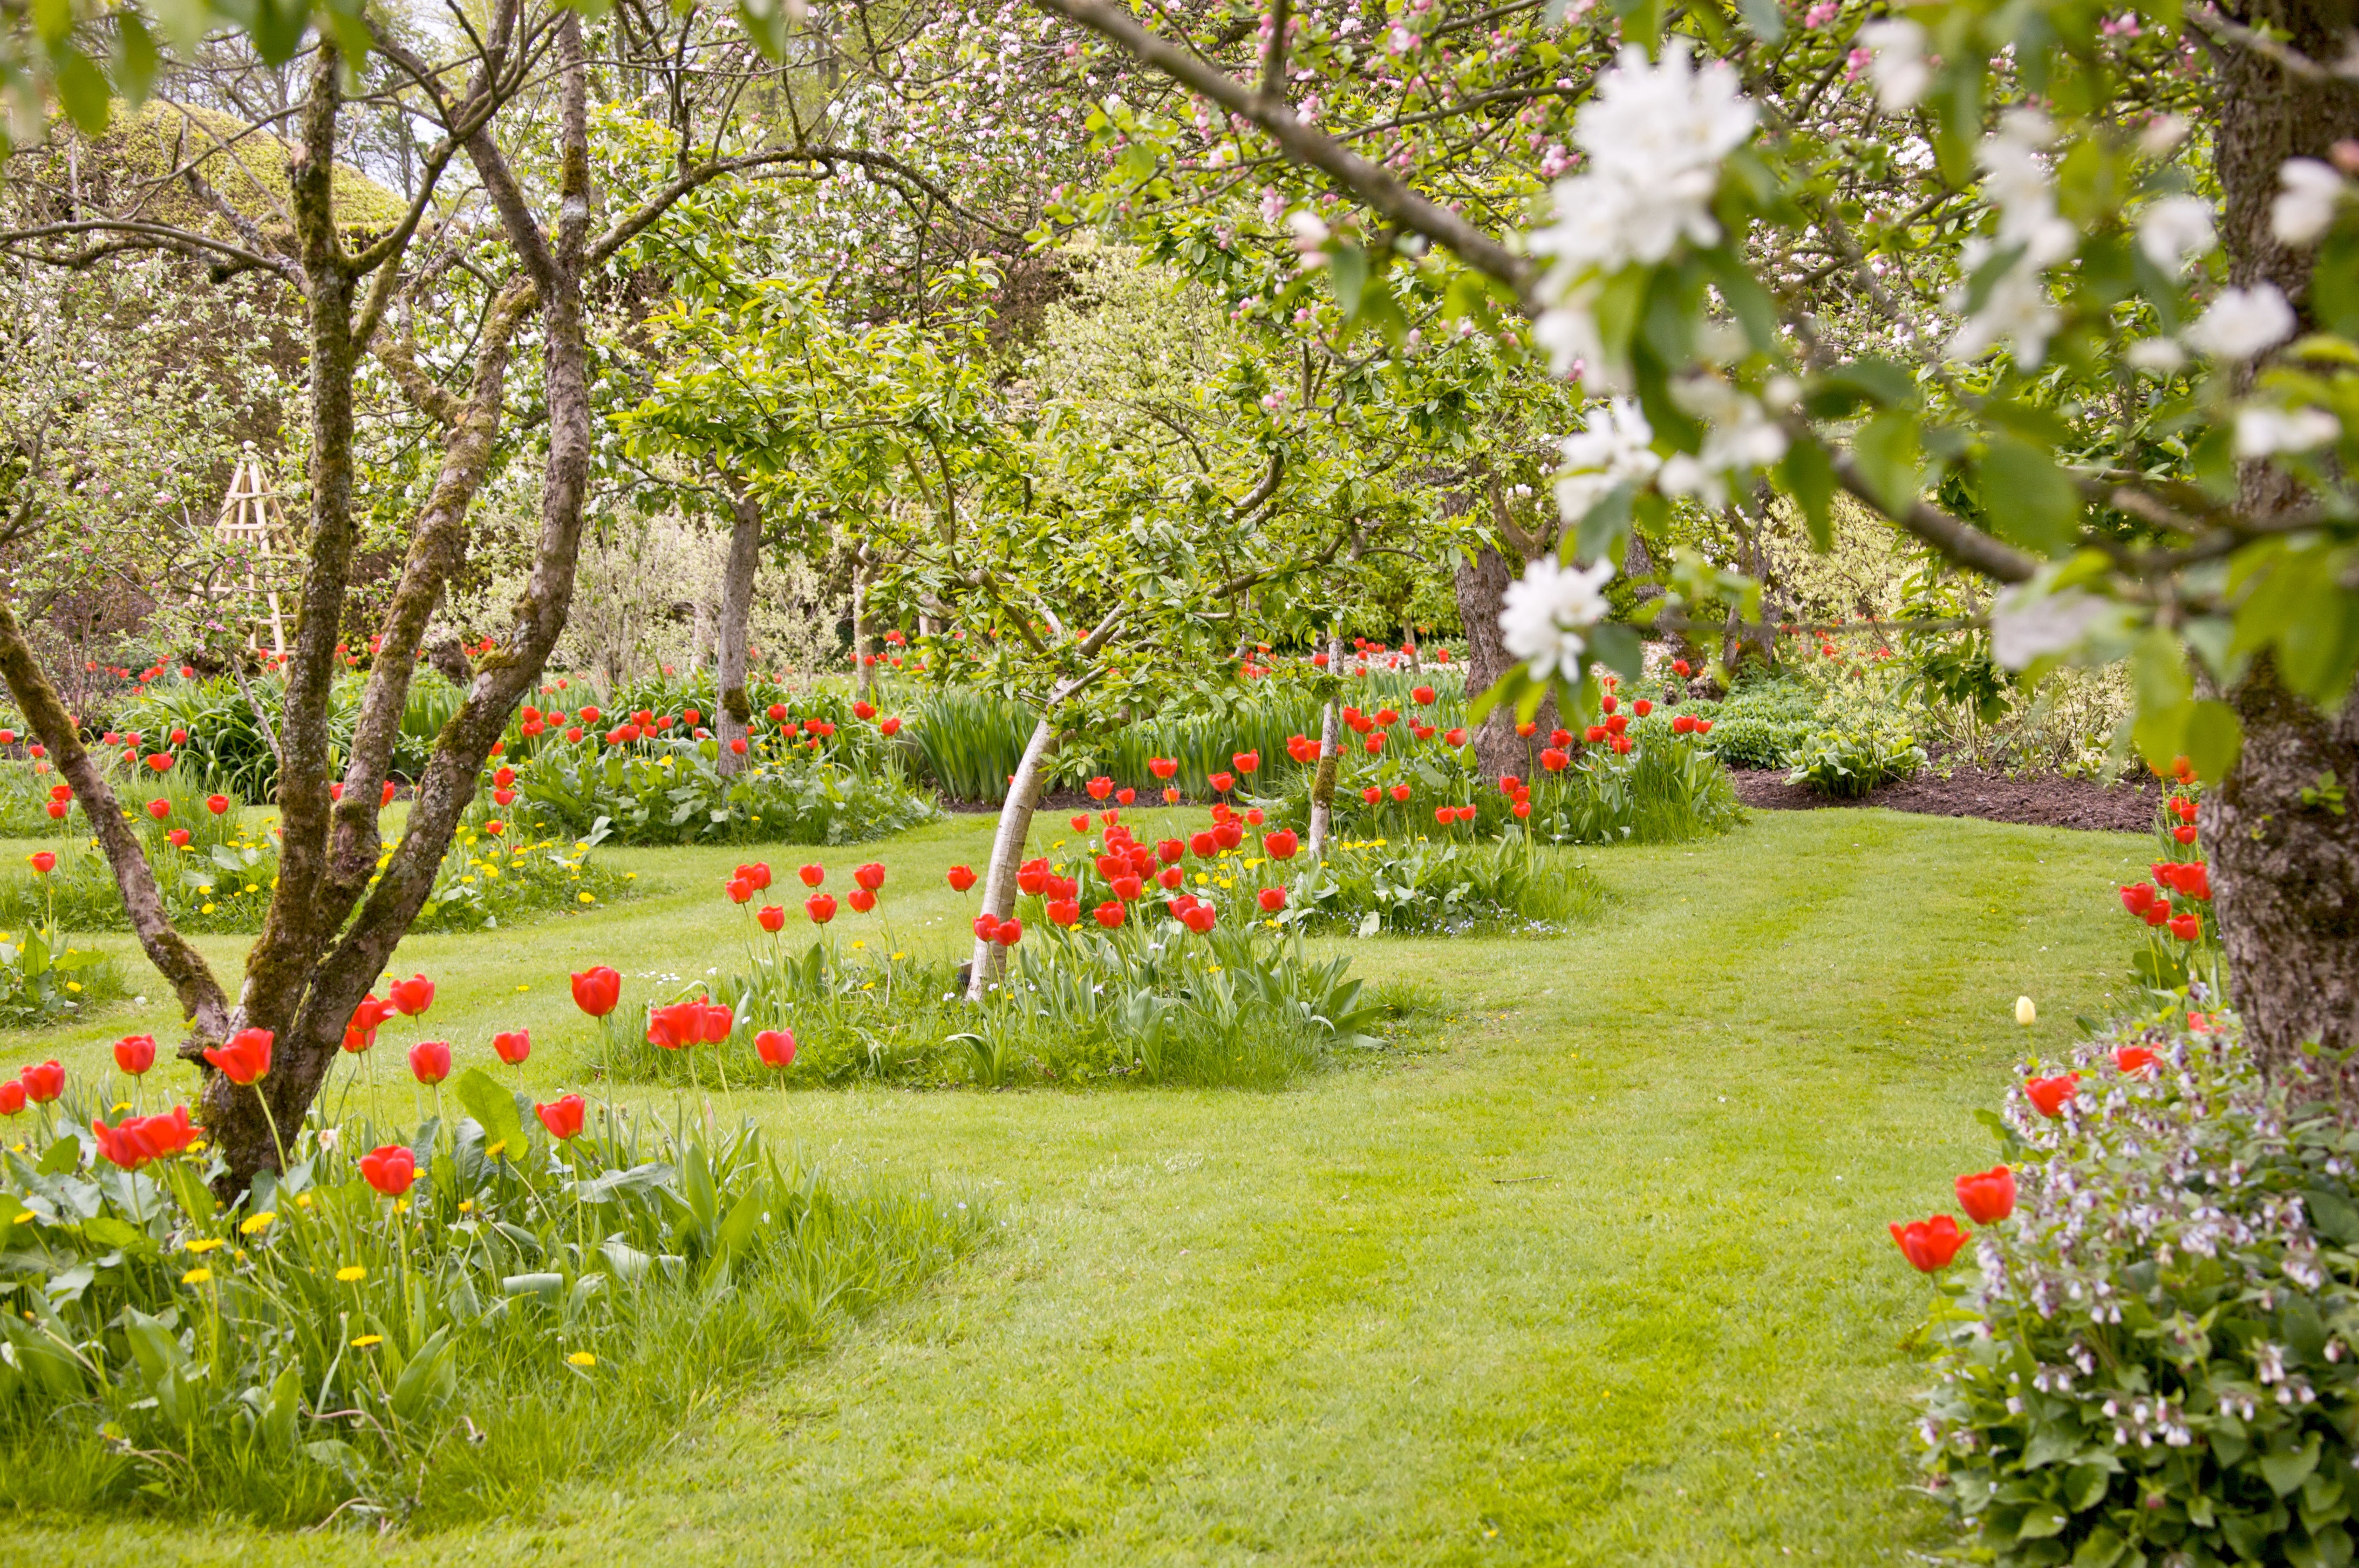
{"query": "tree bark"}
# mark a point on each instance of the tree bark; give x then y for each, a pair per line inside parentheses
(1016, 814)
(1331, 742)
(736, 716)
(863, 674)
(2285, 870)
(1482, 590)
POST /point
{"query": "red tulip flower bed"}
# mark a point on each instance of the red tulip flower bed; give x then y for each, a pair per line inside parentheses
(422, 1321)
(2151, 1355)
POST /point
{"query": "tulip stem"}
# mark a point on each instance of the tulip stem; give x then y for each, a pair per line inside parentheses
(276, 1141)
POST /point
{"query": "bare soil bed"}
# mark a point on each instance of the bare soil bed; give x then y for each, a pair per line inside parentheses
(2039, 799)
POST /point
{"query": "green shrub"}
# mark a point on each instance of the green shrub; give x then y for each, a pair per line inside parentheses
(1760, 723)
(25, 803)
(530, 1312)
(1847, 764)
(2154, 1364)
(669, 791)
(1365, 887)
(44, 981)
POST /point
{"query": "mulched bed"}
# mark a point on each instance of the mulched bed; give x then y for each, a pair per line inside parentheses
(2039, 800)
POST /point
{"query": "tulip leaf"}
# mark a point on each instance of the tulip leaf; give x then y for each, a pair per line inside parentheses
(432, 1377)
(494, 1108)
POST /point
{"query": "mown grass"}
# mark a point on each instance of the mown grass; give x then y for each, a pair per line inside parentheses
(1603, 1280)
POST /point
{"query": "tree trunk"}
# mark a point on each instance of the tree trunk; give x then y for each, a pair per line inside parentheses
(736, 711)
(2285, 871)
(1331, 741)
(1016, 815)
(1482, 590)
(863, 674)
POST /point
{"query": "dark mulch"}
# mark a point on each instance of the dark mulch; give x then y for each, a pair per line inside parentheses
(2039, 799)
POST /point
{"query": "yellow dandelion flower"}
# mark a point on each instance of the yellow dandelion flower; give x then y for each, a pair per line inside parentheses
(859, 944)
(899, 956)
(197, 1277)
(366, 1340)
(587, 898)
(206, 1244)
(304, 1200)
(467, 1206)
(582, 1358)
(351, 1274)
(73, 985)
(1202, 880)
(258, 1224)
(28, 1217)
(205, 909)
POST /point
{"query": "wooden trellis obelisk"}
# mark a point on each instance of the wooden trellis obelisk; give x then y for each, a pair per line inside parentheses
(251, 527)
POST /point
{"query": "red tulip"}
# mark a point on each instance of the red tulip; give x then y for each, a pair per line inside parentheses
(1679, 667)
(1246, 761)
(57, 810)
(889, 728)
(759, 874)
(1109, 914)
(739, 891)
(43, 1081)
(1010, 933)
(1099, 786)
(159, 810)
(597, 990)
(715, 1023)
(776, 1048)
(1272, 899)
(136, 1140)
(1422, 696)
(2134, 1059)
(1063, 912)
(820, 908)
(244, 1057)
(860, 899)
(1642, 707)
(680, 1025)
(1199, 918)
(2157, 910)
(1162, 766)
(987, 927)
(161, 762)
(1445, 815)
(134, 1053)
(1988, 1197)
(1609, 702)
(360, 1033)
(1554, 761)
(2050, 1094)
(1929, 1243)
(2186, 927)
(871, 876)
(11, 1097)
(1223, 782)
(513, 1046)
(1522, 808)
(562, 1119)
(771, 918)
(961, 878)
(1126, 888)
(389, 1168)
(1371, 794)
(812, 876)
(2137, 896)
(1281, 844)
(777, 712)
(429, 1061)
(1126, 795)
(386, 793)
(1400, 792)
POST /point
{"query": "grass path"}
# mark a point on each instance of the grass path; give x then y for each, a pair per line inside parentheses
(1602, 1278)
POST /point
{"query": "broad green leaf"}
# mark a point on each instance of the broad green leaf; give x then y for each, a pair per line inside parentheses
(494, 1108)
(2029, 500)
(2214, 736)
(1886, 450)
(432, 1377)
(1810, 480)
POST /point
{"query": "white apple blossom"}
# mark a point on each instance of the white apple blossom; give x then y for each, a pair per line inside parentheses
(1615, 445)
(2174, 229)
(2029, 622)
(2304, 208)
(2162, 354)
(2262, 431)
(2015, 308)
(1546, 614)
(1740, 439)
(2242, 323)
(1896, 64)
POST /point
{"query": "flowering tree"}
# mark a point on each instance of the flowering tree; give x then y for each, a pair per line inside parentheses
(503, 193)
(2067, 299)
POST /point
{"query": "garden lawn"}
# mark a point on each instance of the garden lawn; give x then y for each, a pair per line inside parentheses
(1598, 1276)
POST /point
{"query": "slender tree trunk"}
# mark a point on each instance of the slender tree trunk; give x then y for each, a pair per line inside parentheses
(863, 674)
(2284, 869)
(737, 715)
(1331, 741)
(1016, 815)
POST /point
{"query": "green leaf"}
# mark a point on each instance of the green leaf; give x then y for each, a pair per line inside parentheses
(2029, 499)
(1886, 450)
(1810, 480)
(2103, 1549)
(1762, 17)
(494, 1108)
(1618, 648)
(432, 1377)
(2041, 1520)
(2285, 1471)
(1604, 526)
(1348, 268)
(2214, 736)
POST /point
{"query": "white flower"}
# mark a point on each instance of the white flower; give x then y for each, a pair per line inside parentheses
(1309, 237)
(2244, 321)
(1613, 446)
(1545, 614)
(2163, 354)
(1896, 64)
(1654, 136)
(2029, 622)
(1741, 438)
(1569, 335)
(2175, 228)
(2162, 133)
(2262, 431)
(2015, 310)
(2304, 209)
(2016, 307)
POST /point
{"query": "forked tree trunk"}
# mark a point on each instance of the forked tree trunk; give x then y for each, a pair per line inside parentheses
(1015, 814)
(735, 717)
(2285, 868)
(1331, 741)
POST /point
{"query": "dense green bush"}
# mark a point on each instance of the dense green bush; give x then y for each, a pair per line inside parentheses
(45, 981)
(669, 791)
(2154, 1363)
(1760, 723)
(1367, 886)
(529, 1312)
(1847, 764)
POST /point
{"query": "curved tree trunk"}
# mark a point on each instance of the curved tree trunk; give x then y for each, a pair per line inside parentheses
(2285, 868)
(736, 711)
(1016, 814)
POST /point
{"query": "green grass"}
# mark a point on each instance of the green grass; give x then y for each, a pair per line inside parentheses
(1602, 1279)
